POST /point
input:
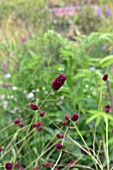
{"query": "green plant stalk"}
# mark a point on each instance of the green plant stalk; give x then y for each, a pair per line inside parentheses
(61, 150)
(107, 150)
(110, 94)
(93, 158)
(31, 124)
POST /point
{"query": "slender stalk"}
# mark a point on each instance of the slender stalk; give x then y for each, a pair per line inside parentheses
(31, 125)
(110, 94)
(107, 151)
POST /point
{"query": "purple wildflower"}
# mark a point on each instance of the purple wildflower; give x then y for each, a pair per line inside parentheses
(99, 12)
(107, 108)
(105, 77)
(33, 106)
(23, 39)
(75, 117)
(108, 11)
(59, 146)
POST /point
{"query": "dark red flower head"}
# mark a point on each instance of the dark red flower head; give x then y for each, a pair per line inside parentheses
(38, 124)
(75, 117)
(1, 149)
(66, 117)
(17, 165)
(105, 77)
(58, 82)
(64, 123)
(42, 113)
(40, 128)
(59, 146)
(37, 167)
(59, 135)
(47, 164)
(21, 125)
(17, 121)
(85, 151)
(21, 169)
(107, 108)
(33, 106)
(8, 166)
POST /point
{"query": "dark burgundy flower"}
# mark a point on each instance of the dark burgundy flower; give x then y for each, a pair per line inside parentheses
(107, 108)
(47, 164)
(40, 128)
(75, 117)
(21, 169)
(38, 124)
(8, 166)
(1, 149)
(33, 106)
(17, 165)
(21, 125)
(66, 117)
(17, 121)
(58, 82)
(59, 135)
(105, 77)
(64, 123)
(85, 151)
(42, 113)
(37, 167)
(72, 162)
(59, 146)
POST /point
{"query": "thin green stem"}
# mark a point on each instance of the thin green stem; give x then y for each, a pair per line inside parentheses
(107, 150)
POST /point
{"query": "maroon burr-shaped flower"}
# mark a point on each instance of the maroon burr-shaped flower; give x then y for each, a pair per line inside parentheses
(105, 77)
(33, 106)
(75, 117)
(58, 82)
(40, 128)
(47, 164)
(85, 151)
(17, 165)
(64, 123)
(42, 113)
(38, 124)
(21, 125)
(17, 121)
(59, 136)
(107, 108)
(9, 166)
(1, 149)
(59, 146)
(66, 117)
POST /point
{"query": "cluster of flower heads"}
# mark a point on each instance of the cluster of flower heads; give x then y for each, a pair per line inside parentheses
(18, 122)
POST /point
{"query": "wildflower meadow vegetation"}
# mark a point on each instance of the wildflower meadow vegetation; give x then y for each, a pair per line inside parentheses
(56, 85)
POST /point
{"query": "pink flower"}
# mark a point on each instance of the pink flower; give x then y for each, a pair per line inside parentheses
(23, 39)
(58, 82)
(38, 124)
